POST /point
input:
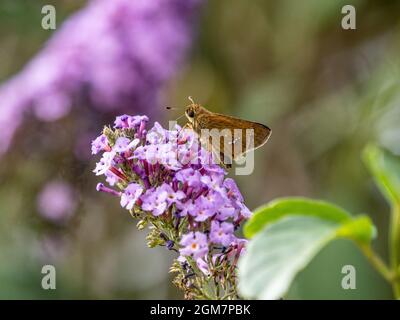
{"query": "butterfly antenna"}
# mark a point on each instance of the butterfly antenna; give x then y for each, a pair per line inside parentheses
(175, 108)
(179, 117)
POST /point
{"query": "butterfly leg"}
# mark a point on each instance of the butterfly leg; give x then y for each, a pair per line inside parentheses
(187, 126)
(225, 160)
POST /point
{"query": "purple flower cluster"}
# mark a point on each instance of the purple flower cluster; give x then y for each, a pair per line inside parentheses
(113, 54)
(167, 174)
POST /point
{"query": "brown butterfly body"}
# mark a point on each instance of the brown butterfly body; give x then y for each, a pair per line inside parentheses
(234, 136)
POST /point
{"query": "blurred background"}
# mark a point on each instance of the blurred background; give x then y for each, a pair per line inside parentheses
(325, 92)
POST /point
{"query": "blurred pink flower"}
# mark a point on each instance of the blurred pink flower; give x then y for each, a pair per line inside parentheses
(57, 201)
(113, 55)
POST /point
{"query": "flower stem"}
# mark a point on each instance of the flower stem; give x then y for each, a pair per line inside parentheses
(394, 244)
(377, 263)
(392, 273)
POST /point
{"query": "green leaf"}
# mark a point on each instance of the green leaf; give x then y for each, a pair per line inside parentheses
(385, 167)
(282, 207)
(277, 253)
(360, 229)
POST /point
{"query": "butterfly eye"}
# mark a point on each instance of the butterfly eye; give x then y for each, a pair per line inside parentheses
(190, 114)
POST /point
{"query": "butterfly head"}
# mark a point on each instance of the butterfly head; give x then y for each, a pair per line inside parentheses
(192, 110)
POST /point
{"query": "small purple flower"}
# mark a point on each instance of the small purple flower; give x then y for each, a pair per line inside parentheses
(121, 144)
(100, 144)
(102, 188)
(129, 122)
(190, 177)
(194, 245)
(244, 211)
(233, 190)
(185, 207)
(226, 212)
(124, 144)
(221, 233)
(121, 122)
(200, 212)
(213, 200)
(157, 135)
(155, 201)
(203, 266)
(172, 196)
(149, 153)
(167, 157)
(214, 181)
(240, 245)
(131, 195)
(105, 163)
(111, 178)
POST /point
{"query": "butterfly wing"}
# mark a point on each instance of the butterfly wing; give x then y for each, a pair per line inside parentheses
(233, 136)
